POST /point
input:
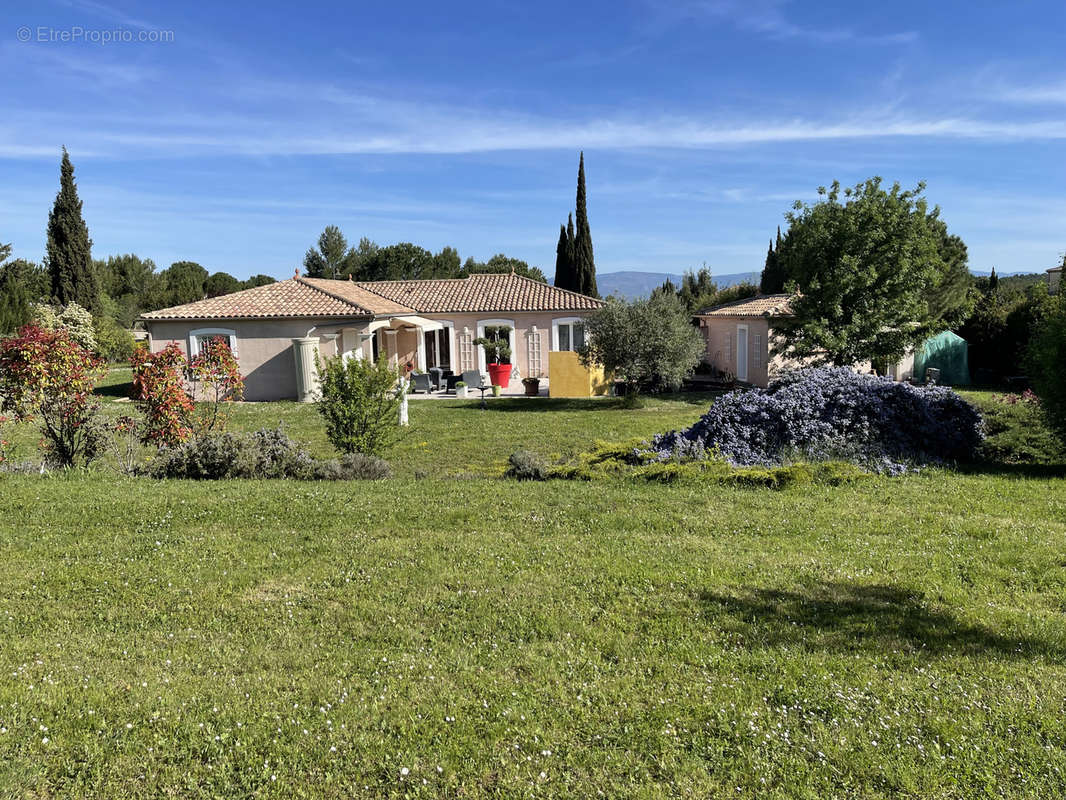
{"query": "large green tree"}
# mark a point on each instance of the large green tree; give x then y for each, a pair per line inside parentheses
(258, 280)
(584, 262)
(16, 292)
(185, 282)
(129, 286)
(502, 264)
(332, 258)
(69, 248)
(407, 261)
(220, 283)
(864, 263)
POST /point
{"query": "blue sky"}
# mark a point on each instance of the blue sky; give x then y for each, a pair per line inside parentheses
(258, 124)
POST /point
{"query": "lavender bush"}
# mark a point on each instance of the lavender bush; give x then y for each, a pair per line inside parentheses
(830, 413)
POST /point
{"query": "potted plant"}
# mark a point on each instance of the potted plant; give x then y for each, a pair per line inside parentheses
(532, 386)
(460, 389)
(497, 355)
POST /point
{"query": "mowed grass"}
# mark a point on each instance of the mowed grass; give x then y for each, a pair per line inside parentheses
(460, 635)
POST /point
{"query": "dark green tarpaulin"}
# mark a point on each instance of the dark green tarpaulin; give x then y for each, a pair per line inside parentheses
(947, 353)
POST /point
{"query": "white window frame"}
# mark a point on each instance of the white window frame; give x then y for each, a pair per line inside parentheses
(566, 321)
(495, 323)
(757, 350)
(747, 347)
(195, 335)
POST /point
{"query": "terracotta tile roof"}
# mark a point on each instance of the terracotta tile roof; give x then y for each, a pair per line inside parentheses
(358, 295)
(487, 292)
(321, 297)
(296, 297)
(764, 305)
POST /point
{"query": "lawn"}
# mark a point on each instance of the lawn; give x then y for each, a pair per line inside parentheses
(448, 633)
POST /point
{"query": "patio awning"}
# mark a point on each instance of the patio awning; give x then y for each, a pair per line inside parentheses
(419, 322)
(403, 321)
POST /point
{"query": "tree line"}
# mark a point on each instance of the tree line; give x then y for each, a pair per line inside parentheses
(333, 258)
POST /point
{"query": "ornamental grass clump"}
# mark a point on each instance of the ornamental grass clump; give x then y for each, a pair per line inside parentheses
(830, 414)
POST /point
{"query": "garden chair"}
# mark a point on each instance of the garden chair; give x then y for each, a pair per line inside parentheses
(420, 382)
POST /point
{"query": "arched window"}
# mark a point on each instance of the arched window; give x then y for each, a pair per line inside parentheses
(201, 335)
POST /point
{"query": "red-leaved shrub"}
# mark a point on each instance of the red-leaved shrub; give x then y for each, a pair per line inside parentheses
(47, 375)
(159, 392)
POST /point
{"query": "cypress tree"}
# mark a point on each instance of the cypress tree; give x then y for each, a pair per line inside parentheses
(584, 263)
(570, 245)
(562, 258)
(993, 281)
(69, 257)
(772, 280)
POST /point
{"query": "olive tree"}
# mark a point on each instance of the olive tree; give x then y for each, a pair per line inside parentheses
(643, 342)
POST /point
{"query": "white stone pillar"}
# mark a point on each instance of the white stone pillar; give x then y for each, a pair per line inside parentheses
(305, 350)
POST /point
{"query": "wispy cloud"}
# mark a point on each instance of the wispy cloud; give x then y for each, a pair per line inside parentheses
(109, 13)
(1046, 94)
(398, 128)
(767, 18)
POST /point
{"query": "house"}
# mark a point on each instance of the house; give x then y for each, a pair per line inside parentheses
(1054, 277)
(739, 340)
(738, 336)
(274, 330)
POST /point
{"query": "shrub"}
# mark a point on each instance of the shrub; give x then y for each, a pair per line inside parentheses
(113, 342)
(827, 414)
(48, 375)
(159, 392)
(1045, 360)
(1016, 432)
(208, 457)
(216, 381)
(265, 454)
(360, 405)
(352, 467)
(526, 466)
(75, 320)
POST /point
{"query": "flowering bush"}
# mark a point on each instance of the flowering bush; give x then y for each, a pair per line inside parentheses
(48, 375)
(159, 392)
(217, 381)
(833, 413)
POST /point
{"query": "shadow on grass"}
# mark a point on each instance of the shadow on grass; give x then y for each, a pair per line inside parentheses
(852, 617)
(114, 390)
(542, 404)
(1002, 470)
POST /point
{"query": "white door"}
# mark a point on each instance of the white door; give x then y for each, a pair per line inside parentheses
(742, 352)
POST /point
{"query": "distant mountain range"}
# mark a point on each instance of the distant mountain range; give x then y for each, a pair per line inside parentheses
(632, 284)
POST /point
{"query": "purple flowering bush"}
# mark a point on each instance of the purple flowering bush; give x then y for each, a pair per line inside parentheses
(830, 414)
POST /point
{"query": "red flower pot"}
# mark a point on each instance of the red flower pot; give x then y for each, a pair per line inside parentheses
(500, 374)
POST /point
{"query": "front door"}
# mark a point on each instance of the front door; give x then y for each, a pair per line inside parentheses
(742, 352)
